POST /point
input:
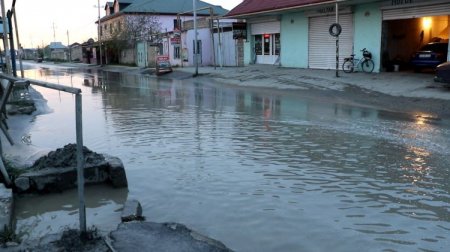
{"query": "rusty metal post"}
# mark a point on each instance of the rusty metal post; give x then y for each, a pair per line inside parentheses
(80, 162)
(195, 37)
(337, 41)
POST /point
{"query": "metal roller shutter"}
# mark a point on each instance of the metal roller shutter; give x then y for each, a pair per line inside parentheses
(266, 28)
(417, 11)
(322, 46)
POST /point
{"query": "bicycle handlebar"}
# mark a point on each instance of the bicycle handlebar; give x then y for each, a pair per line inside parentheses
(364, 49)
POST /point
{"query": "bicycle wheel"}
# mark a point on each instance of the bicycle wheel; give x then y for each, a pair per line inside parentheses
(367, 65)
(348, 66)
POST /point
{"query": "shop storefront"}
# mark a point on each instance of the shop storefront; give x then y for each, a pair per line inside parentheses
(267, 45)
(408, 25)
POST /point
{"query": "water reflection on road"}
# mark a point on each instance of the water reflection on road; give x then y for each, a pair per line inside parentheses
(257, 170)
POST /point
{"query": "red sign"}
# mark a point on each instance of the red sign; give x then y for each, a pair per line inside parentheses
(162, 58)
(175, 40)
(163, 64)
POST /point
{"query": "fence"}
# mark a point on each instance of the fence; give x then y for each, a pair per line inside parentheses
(7, 88)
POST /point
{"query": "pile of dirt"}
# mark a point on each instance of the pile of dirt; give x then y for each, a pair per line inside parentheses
(67, 157)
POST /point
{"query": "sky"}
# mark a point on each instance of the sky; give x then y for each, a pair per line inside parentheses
(68, 21)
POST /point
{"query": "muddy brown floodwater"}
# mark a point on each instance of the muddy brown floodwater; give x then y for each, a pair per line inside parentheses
(255, 169)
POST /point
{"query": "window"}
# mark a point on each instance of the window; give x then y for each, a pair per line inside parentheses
(258, 44)
(176, 24)
(266, 44)
(119, 26)
(277, 44)
(176, 52)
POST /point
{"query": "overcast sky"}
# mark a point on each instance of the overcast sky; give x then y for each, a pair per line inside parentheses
(68, 21)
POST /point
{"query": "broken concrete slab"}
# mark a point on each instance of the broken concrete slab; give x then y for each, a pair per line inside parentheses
(132, 211)
(151, 236)
(57, 171)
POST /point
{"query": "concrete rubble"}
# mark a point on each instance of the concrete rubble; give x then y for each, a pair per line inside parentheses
(57, 171)
(129, 236)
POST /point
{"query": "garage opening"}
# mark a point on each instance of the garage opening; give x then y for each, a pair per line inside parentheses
(403, 38)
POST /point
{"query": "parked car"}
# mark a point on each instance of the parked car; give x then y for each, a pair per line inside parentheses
(430, 56)
(443, 73)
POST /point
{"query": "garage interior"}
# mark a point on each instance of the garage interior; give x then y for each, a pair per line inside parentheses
(403, 37)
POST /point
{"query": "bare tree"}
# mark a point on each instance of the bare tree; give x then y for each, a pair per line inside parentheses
(134, 28)
(146, 28)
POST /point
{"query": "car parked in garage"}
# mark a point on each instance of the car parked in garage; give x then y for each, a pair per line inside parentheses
(443, 73)
(430, 56)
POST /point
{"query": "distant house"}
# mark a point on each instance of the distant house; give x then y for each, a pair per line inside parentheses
(75, 52)
(29, 54)
(165, 35)
(89, 52)
(58, 51)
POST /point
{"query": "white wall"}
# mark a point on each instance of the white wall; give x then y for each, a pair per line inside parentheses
(227, 54)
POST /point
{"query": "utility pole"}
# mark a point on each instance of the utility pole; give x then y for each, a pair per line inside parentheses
(99, 34)
(195, 37)
(337, 41)
(11, 41)
(19, 46)
(68, 45)
(5, 38)
(54, 33)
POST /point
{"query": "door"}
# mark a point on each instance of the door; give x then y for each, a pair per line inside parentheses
(322, 46)
(142, 54)
(267, 48)
(197, 54)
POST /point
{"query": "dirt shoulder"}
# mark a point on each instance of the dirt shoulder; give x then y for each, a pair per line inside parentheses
(417, 95)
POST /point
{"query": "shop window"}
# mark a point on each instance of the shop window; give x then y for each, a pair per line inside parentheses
(266, 44)
(258, 44)
(277, 44)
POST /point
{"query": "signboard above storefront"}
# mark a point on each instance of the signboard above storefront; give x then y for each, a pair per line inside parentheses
(239, 30)
(175, 40)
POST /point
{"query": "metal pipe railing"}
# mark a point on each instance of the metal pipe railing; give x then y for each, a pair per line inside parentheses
(79, 136)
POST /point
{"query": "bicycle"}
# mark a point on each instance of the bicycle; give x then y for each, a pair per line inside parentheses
(366, 62)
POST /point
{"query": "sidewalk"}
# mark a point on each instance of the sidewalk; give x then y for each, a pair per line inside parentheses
(404, 83)
(407, 83)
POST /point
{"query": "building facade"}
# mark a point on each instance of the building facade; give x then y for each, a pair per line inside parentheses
(296, 33)
(165, 36)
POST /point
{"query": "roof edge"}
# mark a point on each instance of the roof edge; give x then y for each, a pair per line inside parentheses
(246, 15)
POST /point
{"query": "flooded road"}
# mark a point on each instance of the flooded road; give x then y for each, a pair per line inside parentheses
(259, 171)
